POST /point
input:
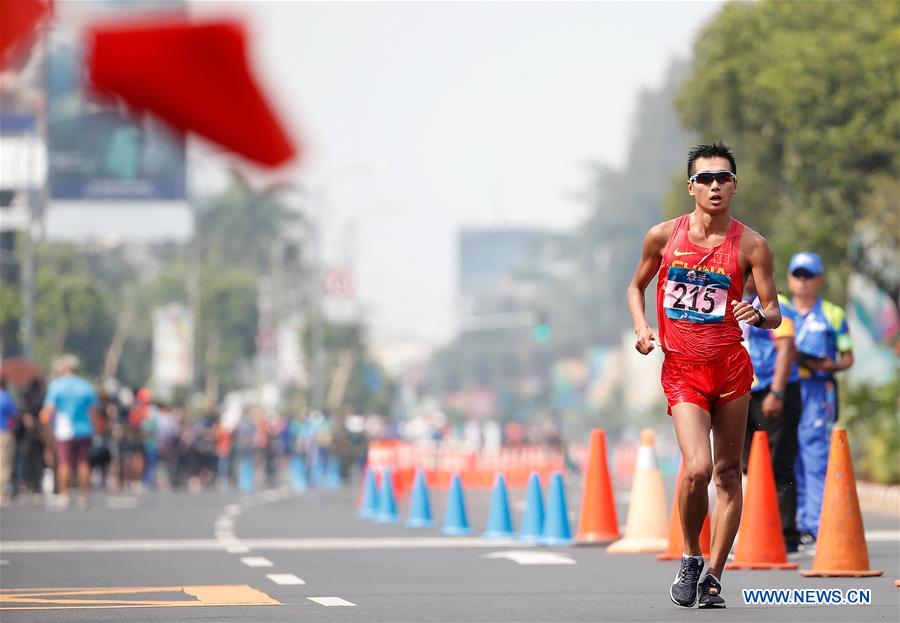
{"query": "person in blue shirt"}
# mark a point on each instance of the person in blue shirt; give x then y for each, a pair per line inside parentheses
(8, 415)
(823, 348)
(775, 406)
(69, 409)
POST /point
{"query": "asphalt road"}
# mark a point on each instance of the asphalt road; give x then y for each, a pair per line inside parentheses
(281, 556)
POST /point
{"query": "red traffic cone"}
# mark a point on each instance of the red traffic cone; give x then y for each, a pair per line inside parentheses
(598, 522)
(841, 549)
(760, 541)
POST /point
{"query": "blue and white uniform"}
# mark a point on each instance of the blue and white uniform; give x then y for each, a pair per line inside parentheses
(821, 332)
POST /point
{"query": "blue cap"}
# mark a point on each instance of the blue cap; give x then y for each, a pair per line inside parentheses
(808, 261)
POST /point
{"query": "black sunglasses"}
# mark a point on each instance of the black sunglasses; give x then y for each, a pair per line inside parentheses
(706, 178)
(803, 274)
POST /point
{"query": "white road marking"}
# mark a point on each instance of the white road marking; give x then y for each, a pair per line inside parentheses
(3, 562)
(233, 509)
(331, 601)
(525, 557)
(285, 579)
(882, 535)
(196, 545)
(224, 522)
(237, 549)
(256, 561)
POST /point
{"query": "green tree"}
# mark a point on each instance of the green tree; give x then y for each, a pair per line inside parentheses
(226, 327)
(74, 310)
(808, 94)
(240, 226)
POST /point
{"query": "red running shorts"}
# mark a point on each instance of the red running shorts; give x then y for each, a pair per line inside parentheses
(710, 384)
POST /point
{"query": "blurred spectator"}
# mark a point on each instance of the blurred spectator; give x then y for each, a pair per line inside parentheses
(101, 457)
(30, 440)
(133, 440)
(8, 416)
(823, 348)
(224, 448)
(70, 403)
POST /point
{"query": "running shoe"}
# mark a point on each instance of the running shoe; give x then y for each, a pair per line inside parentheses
(684, 589)
(709, 593)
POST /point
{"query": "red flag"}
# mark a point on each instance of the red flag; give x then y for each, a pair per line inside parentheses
(195, 77)
(18, 20)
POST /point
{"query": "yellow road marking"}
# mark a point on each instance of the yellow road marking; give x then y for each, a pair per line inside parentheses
(58, 598)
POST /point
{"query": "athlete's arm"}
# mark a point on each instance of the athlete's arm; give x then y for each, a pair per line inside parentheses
(760, 262)
(651, 257)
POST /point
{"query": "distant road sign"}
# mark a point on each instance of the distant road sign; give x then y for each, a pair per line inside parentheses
(340, 283)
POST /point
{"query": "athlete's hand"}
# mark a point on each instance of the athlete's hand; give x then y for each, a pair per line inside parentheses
(645, 339)
(743, 312)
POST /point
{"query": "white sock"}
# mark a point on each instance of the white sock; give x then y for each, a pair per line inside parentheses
(697, 558)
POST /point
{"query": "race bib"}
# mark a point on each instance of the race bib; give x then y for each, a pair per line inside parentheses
(62, 427)
(695, 295)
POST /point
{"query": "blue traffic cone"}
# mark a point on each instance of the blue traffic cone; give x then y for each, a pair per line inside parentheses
(387, 505)
(298, 474)
(419, 505)
(533, 519)
(245, 474)
(332, 478)
(499, 524)
(455, 521)
(556, 522)
(369, 506)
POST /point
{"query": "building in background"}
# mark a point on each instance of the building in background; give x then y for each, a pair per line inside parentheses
(496, 268)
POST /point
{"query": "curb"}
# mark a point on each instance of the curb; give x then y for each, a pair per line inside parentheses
(878, 498)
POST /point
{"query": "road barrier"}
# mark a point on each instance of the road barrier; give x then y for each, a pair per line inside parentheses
(477, 470)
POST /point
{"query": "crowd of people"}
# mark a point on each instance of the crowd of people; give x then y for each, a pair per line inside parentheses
(121, 440)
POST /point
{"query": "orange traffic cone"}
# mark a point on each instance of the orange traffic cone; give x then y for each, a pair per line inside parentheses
(645, 531)
(760, 541)
(598, 522)
(676, 534)
(841, 547)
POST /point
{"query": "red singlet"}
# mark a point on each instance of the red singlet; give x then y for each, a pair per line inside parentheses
(705, 363)
(695, 288)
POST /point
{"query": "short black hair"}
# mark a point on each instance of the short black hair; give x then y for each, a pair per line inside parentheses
(713, 150)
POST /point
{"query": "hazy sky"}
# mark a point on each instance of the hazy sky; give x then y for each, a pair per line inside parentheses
(421, 118)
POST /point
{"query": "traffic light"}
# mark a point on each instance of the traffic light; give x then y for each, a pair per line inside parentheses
(541, 331)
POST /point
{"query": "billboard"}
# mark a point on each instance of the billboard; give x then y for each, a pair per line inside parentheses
(97, 152)
(173, 348)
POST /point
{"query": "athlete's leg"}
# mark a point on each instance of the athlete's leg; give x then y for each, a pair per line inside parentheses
(692, 426)
(729, 423)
